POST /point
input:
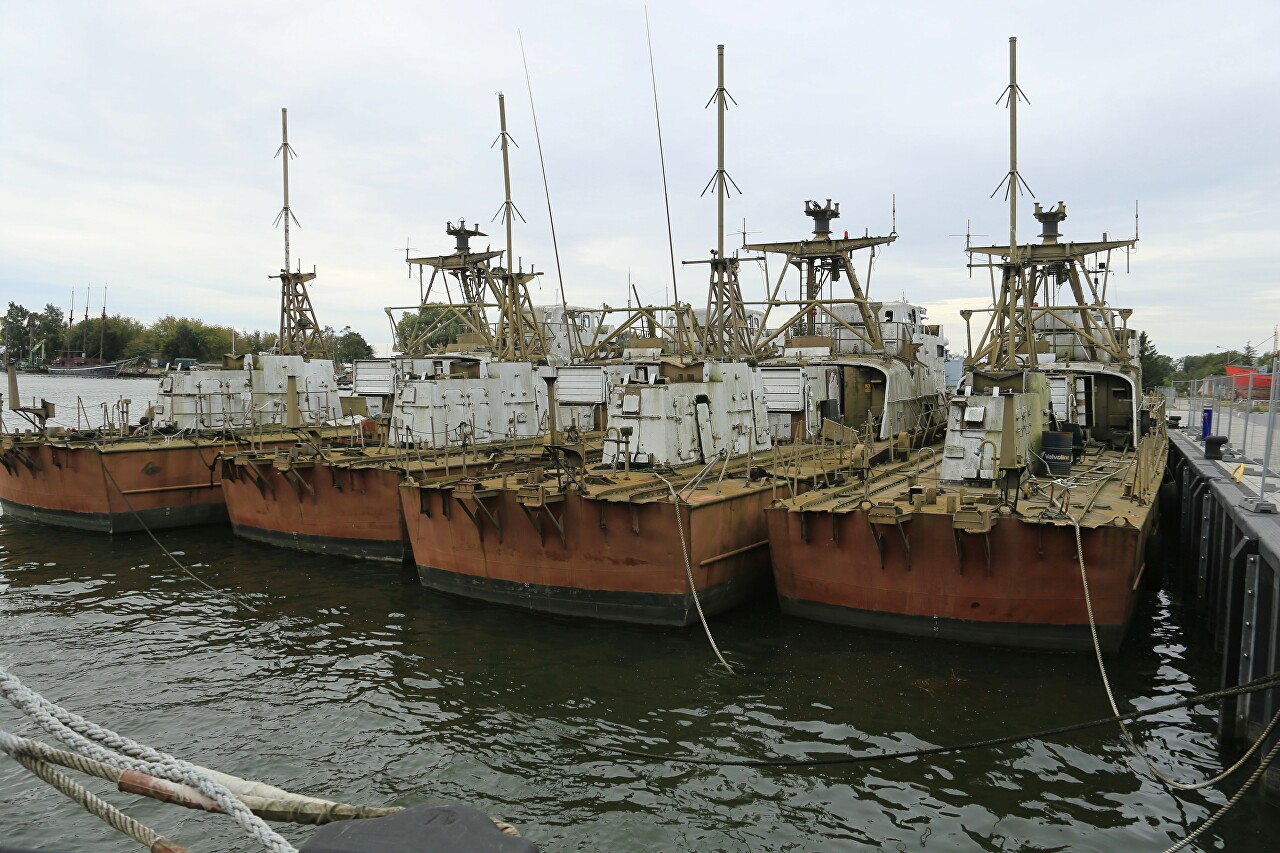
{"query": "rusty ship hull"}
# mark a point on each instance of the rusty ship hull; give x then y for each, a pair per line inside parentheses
(345, 503)
(1019, 584)
(112, 489)
(343, 511)
(584, 557)
(123, 485)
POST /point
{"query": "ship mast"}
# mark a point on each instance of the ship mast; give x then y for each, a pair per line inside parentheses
(725, 325)
(1030, 275)
(299, 330)
(102, 327)
(519, 336)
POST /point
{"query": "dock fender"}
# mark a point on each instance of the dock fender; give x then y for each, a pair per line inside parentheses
(1153, 555)
(1169, 504)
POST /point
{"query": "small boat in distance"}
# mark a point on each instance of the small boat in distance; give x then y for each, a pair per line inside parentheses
(1249, 383)
(87, 366)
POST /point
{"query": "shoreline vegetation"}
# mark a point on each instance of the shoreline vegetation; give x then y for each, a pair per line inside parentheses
(40, 337)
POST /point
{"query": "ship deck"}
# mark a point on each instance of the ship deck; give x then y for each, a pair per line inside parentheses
(1106, 487)
(793, 468)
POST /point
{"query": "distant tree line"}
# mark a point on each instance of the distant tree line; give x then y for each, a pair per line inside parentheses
(45, 335)
(1159, 369)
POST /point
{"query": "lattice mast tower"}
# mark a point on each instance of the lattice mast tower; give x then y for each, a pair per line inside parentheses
(299, 330)
(1032, 274)
(725, 330)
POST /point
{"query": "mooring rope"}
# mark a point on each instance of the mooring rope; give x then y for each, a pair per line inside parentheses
(265, 801)
(101, 744)
(14, 745)
(233, 599)
(1111, 699)
(688, 570)
(1229, 804)
(90, 802)
(1133, 747)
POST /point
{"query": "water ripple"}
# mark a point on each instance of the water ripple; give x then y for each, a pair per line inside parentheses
(350, 681)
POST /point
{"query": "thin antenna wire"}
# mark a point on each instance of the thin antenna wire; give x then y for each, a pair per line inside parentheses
(555, 247)
(662, 160)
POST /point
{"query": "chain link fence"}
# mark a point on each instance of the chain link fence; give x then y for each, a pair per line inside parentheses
(1241, 408)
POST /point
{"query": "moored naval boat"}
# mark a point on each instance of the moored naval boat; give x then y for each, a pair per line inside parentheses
(164, 472)
(669, 527)
(1046, 479)
(877, 368)
(449, 408)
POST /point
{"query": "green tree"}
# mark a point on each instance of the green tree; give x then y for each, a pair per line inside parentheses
(16, 329)
(350, 345)
(49, 325)
(1156, 368)
(255, 341)
(1208, 364)
(185, 342)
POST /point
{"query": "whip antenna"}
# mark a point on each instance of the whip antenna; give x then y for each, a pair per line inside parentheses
(571, 328)
(662, 160)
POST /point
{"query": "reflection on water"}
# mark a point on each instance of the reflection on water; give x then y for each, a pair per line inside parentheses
(349, 680)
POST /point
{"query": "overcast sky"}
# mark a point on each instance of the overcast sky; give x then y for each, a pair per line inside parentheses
(137, 142)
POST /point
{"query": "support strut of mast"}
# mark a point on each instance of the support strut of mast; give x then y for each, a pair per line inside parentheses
(517, 335)
(477, 283)
(821, 261)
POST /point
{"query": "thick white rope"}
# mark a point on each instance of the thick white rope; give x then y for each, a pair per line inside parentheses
(688, 570)
(101, 744)
(88, 801)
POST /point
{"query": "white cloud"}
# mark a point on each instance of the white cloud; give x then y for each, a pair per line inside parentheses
(138, 141)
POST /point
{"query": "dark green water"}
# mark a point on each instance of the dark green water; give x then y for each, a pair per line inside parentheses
(351, 682)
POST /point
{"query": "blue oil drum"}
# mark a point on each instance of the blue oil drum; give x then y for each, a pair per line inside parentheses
(1057, 452)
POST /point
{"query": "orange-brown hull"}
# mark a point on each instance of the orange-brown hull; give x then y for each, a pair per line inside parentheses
(112, 491)
(352, 512)
(1018, 585)
(601, 559)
